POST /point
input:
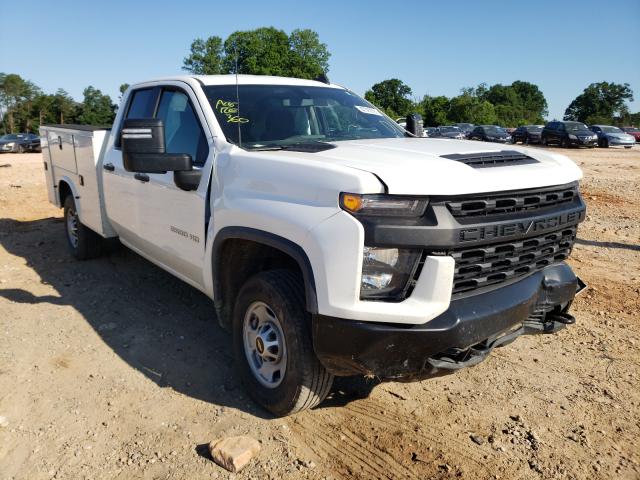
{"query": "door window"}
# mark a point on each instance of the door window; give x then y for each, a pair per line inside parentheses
(182, 130)
(141, 105)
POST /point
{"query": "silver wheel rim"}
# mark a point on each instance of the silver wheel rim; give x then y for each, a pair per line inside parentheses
(264, 344)
(72, 227)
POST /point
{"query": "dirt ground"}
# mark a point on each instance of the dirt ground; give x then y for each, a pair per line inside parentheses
(112, 368)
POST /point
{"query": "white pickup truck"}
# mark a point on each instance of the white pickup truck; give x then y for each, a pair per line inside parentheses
(331, 240)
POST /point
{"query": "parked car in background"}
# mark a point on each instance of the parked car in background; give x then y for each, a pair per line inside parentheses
(568, 134)
(19, 143)
(610, 136)
(430, 131)
(449, 131)
(467, 128)
(490, 133)
(527, 134)
(633, 131)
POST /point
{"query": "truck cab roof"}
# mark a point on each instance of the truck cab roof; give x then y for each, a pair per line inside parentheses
(231, 79)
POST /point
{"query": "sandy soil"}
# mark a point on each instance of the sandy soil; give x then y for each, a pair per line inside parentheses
(114, 369)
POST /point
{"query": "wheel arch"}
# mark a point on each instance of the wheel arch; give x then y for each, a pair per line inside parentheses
(233, 242)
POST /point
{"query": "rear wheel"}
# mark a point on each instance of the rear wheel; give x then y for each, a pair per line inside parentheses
(83, 242)
(272, 344)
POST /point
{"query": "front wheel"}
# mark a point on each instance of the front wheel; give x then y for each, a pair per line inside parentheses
(605, 143)
(83, 242)
(564, 143)
(272, 344)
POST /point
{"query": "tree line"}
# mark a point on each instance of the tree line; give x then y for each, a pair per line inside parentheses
(521, 103)
(24, 106)
(301, 54)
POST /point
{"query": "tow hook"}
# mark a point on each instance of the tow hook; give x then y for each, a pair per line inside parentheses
(561, 317)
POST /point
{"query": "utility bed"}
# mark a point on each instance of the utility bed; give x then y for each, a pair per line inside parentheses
(75, 152)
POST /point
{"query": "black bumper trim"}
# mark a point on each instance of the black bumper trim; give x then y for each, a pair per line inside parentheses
(471, 325)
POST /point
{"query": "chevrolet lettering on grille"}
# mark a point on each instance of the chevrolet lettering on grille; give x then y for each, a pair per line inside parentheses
(521, 228)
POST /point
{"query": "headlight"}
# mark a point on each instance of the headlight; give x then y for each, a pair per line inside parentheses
(386, 272)
(383, 205)
(10, 144)
(572, 137)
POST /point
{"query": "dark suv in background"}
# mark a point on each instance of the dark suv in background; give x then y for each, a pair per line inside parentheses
(527, 134)
(568, 134)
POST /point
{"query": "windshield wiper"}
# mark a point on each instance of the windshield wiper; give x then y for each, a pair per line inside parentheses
(311, 146)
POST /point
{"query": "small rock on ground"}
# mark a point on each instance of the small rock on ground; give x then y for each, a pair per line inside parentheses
(234, 453)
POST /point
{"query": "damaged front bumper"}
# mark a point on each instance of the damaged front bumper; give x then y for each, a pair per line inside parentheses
(462, 336)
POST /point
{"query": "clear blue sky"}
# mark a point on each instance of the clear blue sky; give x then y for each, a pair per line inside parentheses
(435, 47)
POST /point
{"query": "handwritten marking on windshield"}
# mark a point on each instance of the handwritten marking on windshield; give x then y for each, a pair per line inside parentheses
(230, 109)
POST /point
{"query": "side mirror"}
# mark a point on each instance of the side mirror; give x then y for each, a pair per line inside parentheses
(143, 148)
(414, 124)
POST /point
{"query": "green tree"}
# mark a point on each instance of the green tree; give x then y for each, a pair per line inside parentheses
(263, 51)
(123, 88)
(16, 101)
(308, 56)
(533, 102)
(96, 108)
(469, 108)
(205, 57)
(602, 102)
(65, 109)
(392, 96)
(435, 110)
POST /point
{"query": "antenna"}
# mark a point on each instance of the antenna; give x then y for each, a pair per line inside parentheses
(238, 99)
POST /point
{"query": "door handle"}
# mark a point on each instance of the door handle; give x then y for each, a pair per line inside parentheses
(142, 177)
(109, 167)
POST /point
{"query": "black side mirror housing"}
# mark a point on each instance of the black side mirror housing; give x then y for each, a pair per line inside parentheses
(414, 124)
(143, 148)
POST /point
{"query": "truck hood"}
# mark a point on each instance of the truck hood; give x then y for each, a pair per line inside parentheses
(412, 166)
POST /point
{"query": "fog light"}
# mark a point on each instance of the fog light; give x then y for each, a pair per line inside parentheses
(386, 272)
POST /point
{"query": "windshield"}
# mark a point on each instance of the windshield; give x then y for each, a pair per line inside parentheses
(575, 126)
(534, 129)
(9, 137)
(607, 129)
(280, 115)
(450, 130)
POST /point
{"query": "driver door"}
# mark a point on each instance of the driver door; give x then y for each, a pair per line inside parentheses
(171, 221)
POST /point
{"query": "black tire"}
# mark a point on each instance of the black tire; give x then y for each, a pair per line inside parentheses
(86, 243)
(526, 140)
(564, 143)
(544, 141)
(20, 149)
(605, 143)
(305, 382)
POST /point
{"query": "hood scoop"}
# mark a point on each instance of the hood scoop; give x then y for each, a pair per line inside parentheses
(491, 159)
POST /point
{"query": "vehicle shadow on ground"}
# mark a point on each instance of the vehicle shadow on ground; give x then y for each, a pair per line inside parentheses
(594, 243)
(156, 323)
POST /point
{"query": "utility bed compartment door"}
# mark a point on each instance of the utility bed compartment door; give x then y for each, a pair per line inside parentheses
(62, 151)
